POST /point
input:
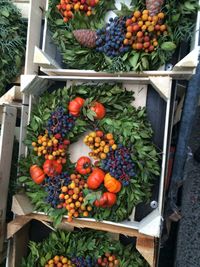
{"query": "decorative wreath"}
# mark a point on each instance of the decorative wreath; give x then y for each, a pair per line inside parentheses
(125, 161)
(86, 248)
(141, 37)
(12, 43)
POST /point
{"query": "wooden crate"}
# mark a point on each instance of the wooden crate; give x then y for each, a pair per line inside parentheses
(49, 60)
(18, 236)
(34, 86)
(7, 121)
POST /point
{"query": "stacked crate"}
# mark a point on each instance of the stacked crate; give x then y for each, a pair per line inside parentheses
(147, 230)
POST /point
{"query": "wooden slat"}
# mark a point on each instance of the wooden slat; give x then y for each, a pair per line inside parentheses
(146, 247)
(18, 247)
(37, 8)
(185, 74)
(6, 147)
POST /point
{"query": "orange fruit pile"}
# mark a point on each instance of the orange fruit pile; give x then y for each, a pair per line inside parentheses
(100, 144)
(143, 30)
(51, 147)
(68, 7)
(72, 198)
(59, 261)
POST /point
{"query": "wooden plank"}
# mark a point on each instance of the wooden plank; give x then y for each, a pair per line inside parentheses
(12, 95)
(16, 225)
(146, 247)
(21, 204)
(24, 122)
(18, 247)
(33, 36)
(96, 225)
(6, 147)
(185, 74)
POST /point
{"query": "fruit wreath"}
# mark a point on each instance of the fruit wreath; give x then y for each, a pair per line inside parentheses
(140, 37)
(113, 177)
(86, 248)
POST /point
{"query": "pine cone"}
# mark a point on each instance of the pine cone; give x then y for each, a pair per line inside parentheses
(154, 6)
(86, 38)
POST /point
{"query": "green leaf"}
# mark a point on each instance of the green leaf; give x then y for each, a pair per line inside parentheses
(134, 59)
(5, 13)
(23, 178)
(168, 46)
(59, 22)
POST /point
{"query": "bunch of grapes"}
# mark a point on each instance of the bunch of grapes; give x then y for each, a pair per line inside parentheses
(100, 144)
(53, 147)
(71, 197)
(53, 187)
(110, 38)
(60, 261)
(60, 122)
(108, 260)
(119, 164)
(83, 262)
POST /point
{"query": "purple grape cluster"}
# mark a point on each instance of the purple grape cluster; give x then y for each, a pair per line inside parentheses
(119, 164)
(83, 262)
(60, 122)
(53, 187)
(110, 38)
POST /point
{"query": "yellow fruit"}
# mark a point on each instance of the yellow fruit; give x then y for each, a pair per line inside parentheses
(145, 12)
(34, 144)
(35, 149)
(85, 213)
(137, 14)
(64, 189)
(114, 147)
(128, 35)
(161, 15)
(102, 143)
(50, 157)
(145, 17)
(151, 28)
(93, 134)
(109, 136)
(90, 139)
(140, 23)
(102, 155)
(106, 150)
(97, 144)
(89, 208)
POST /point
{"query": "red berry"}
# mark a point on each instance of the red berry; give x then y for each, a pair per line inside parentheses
(57, 136)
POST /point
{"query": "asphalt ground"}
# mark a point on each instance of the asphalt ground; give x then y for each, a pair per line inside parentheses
(188, 237)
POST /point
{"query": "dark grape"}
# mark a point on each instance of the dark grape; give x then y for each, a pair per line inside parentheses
(119, 164)
(83, 262)
(60, 122)
(53, 187)
(110, 38)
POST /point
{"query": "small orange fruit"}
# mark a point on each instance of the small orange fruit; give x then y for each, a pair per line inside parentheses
(128, 35)
(126, 42)
(161, 15)
(163, 28)
(137, 14)
(145, 17)
(129, 29)
(145, 12)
